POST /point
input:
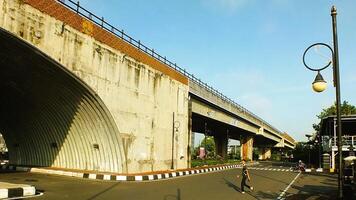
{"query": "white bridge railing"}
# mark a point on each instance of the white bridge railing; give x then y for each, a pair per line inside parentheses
(347, 141)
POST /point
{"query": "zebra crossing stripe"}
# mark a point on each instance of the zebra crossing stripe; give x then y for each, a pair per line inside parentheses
(271, 169)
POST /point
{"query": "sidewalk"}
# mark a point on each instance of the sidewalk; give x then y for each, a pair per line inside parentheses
(315, 186)
(9, 190)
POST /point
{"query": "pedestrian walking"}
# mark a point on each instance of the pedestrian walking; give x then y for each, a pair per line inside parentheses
(245, 175)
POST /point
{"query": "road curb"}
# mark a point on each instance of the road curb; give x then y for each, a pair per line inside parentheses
(138, 178)
(17, 192)
(309, 170)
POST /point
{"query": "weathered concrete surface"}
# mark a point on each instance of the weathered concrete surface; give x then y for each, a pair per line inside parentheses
(265, 153)
(247, 148)
(50, 117)
(141, 98)
(221, 142)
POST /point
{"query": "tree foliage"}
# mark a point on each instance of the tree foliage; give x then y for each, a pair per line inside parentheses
(346, 109)
(210, 145)
(307, 153)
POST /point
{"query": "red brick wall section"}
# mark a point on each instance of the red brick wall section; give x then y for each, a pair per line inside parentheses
(58, 11)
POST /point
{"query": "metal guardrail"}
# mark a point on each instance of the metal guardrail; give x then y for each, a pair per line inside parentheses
(346, 141)
(100, 21)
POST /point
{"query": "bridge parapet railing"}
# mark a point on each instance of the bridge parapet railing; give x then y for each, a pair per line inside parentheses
(347, 141)
(206, 92)
(100, 21)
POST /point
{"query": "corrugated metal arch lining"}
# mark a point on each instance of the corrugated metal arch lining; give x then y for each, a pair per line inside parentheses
(49, 117)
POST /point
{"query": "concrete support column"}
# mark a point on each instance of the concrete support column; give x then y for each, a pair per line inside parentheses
(265, 153)
(221, 145)
(246, 147)
(191, 137)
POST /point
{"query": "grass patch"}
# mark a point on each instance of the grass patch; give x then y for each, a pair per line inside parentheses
(198, 163)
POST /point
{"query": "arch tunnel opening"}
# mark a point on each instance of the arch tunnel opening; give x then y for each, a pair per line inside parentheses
(49, 117)
(4, 156)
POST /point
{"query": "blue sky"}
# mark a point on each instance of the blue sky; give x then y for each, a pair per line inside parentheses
(250, 50)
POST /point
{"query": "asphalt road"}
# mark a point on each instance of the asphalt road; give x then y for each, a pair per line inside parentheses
(215, 185)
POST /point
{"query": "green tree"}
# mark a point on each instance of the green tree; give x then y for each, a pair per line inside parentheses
(210, 145)
(346, 109)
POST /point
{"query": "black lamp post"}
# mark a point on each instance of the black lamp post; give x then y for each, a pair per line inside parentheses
(319, 85)
(318, 142)
(309, 147)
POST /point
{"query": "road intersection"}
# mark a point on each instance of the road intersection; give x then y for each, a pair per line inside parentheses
(269, 181)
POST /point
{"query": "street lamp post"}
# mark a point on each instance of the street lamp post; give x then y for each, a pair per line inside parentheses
(319, 85)
(309, 147)
(318, 142)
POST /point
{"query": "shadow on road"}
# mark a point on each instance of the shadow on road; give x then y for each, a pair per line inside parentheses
(267, 177)
(102, 192)
(232, 185)
(173, 197)
(316, 192)
(266, 195)
(323, 174)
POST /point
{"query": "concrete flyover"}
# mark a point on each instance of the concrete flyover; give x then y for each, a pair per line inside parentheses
(78, 94)
(215, 114)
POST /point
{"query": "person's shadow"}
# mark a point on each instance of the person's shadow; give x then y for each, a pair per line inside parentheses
(232, 185)
(175, 197)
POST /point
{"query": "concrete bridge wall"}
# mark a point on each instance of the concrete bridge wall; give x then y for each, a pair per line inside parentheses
(140, 94)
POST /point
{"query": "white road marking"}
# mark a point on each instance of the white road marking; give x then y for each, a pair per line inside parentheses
(280, 197)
